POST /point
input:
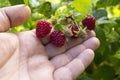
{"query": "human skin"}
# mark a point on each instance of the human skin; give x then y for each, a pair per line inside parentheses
(24, 57)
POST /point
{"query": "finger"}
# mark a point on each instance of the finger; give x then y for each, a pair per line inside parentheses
(64, 59)
(13, 16)
(53, 50)
(76, 66)
(93, 43)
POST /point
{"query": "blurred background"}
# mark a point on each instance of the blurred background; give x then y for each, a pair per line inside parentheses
(106, 65)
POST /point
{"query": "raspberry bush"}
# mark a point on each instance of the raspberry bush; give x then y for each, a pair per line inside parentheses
(70, 13)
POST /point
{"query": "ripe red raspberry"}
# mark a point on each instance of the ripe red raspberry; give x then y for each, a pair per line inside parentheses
(43, 28)
(57, 38)
(89, 22)
(74, 29)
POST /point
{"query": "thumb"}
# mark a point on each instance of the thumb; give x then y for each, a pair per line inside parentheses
(13, 16)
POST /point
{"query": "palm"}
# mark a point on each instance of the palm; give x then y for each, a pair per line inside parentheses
(24, 57)
(34, 58)
(30, 60)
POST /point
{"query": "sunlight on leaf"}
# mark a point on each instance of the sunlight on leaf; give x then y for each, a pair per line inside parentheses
(116, 12)
(55, 1)
(83, 6)
(117, 55)
(26, 2)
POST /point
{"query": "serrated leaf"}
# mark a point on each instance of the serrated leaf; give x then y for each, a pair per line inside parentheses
(83, 6)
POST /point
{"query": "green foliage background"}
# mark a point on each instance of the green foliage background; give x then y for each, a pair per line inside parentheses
(106, 65)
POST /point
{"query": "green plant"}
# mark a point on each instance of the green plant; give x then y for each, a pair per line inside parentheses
(107, 12)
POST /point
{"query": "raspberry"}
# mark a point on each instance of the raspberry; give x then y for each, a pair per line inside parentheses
(74, 29)
(57, 38)
(89, 22)
(43, 28)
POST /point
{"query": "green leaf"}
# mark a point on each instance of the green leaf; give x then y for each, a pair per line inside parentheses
(117, 28)
(55, 6)
(117, 55)
(104, 73)
(104, 20)
(15, 2)
(62, 11)
(84, 77)
(100, 58)
(4, 3)
(105, 3)
(46, 9)
(58, 27)
(100, 13)
(37, 16)
(83, 6)
(26, 2)
(101, 36)
(113, 36)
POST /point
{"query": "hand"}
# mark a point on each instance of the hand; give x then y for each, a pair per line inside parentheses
(24, 57)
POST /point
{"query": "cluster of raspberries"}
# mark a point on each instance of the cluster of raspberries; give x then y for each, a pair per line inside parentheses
(58, 37)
